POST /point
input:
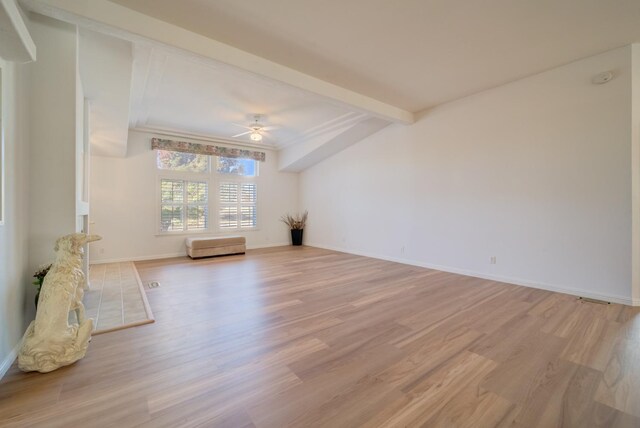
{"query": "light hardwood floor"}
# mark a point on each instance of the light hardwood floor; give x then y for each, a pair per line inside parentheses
(309, 337)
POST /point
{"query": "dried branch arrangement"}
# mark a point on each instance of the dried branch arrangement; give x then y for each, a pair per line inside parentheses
(295, 222)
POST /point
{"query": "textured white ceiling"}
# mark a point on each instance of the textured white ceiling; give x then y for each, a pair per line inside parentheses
(182, 93)
(410, 53)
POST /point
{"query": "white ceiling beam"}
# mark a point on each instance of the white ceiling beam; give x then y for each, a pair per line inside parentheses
(109, 14)
(303, 155)
(16, 43)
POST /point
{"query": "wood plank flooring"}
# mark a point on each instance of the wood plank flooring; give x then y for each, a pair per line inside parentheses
(309, 337)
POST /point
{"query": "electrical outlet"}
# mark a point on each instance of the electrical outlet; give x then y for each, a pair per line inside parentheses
(101, 250)
(402, 251)
(493, 260)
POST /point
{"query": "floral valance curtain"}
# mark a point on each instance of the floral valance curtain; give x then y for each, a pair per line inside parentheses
(205, 149)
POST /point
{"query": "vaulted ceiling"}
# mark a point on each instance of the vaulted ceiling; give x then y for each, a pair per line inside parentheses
(326, 74)
(410, 53)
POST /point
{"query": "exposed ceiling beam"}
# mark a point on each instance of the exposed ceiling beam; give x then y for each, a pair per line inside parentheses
(16, 43)
(105, 13)
(302, 155)
(105, 67)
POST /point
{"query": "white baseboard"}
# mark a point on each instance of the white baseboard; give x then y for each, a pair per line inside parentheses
(8, 360)
(275, 244)
(171, 255)
(516, 281)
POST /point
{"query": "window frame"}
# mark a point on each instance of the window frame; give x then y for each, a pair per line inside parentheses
(204, 204)
(163, 204)
(215, 163)
(213, 178)
(202, 178)
(173, 171)
(238, 204)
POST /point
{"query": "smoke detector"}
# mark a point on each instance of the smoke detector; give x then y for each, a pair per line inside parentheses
(601, 78)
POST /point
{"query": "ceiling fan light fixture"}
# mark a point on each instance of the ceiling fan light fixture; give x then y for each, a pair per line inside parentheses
(256, 136)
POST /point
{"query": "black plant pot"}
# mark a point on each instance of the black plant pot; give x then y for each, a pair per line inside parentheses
(296, 236)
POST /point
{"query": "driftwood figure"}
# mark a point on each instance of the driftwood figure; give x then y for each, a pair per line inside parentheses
(51, 342)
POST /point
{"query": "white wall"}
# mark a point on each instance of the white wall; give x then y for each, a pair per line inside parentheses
(42, 105)
(123, 205)
(53, 116)
(536, 173)
(16, 294)
(635, 170)
(40, 128)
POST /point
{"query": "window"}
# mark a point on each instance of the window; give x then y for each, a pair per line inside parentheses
(238, 206)
(248, 199)
(177, 161)
(185, 182)
(197, 206)
(180, 198)
(228, 205)
(243, 167)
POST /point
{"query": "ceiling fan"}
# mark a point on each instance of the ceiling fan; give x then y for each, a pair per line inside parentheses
(256, 130)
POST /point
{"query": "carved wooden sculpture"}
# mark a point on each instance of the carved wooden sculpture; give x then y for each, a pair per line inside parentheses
(51, 342)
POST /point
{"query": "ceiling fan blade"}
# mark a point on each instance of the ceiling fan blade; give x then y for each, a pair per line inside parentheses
(244, 133)
(271, 128)
(241, 126)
